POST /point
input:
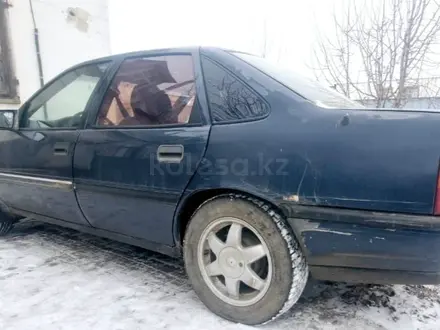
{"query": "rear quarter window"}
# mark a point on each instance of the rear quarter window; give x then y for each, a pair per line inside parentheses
(230, 100)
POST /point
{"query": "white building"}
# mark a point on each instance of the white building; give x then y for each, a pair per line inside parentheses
(69, 32)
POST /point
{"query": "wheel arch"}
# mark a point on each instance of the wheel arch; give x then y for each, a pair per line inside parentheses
(190, 203)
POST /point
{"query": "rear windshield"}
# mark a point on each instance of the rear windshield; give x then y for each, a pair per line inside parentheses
(311, 90)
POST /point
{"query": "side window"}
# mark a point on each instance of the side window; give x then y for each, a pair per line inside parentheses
(229, 98)
(63, 102)
(151, 91)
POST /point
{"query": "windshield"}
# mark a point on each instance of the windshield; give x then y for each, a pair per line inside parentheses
(314, 91)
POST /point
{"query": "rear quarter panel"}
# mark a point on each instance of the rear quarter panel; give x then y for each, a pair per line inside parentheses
(370, 160)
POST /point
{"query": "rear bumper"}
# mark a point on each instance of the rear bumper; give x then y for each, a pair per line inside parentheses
(373, 276)
(367, 247)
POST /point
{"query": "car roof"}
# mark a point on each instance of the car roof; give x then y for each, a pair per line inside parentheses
(151, 52)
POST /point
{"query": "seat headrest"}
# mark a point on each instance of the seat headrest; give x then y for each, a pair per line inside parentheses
(151, 100)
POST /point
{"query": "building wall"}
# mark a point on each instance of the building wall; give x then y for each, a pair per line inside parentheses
(71, 31)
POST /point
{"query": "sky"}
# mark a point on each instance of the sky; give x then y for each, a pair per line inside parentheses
(289, 27)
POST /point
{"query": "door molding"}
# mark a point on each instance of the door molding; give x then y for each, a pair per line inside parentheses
(35, 180)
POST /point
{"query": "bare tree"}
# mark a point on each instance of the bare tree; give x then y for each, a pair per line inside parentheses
(378, 48)
(265, 46)
(270, 46)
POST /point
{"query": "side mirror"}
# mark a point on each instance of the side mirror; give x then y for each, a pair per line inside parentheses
(7, 119)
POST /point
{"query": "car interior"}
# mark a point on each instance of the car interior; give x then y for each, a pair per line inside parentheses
(145, 105)
(145, 93)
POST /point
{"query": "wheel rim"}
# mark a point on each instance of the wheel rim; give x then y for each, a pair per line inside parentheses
(234, 261)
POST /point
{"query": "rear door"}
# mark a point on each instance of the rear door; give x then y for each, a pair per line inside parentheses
(36, 159)
(139, 152)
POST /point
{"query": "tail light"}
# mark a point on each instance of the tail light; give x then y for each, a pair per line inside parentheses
(437, 196)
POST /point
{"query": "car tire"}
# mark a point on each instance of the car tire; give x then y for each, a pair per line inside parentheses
(5, 227)
(6, 224)
(263, 257)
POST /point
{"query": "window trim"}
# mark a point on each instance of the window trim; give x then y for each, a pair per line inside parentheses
(87, 109)
(133, 127)
(236, 121)
(94, 125)
(11, 95)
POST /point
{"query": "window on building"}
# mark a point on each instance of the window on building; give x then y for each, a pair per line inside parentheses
(152, 91)
(229, 98)
(7, 85)
(385, 92)
(411, 92)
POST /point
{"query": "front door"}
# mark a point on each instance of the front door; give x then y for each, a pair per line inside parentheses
(133, 163)
(36, 159)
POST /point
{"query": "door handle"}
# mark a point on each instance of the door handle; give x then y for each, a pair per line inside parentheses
(61, 148)
(170, 153)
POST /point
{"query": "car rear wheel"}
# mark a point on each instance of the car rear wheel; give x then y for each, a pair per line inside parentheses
(243, 260)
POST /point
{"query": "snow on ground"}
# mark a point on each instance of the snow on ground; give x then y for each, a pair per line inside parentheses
(55, 278)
